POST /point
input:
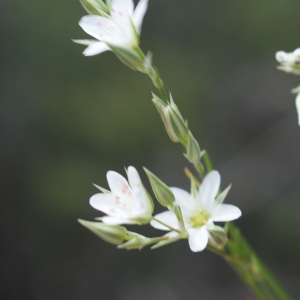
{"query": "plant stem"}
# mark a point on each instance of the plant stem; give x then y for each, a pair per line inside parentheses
(167, 226)
(237, 252)
(250, 269)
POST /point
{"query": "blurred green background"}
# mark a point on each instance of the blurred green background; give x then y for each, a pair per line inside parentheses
(67, 119)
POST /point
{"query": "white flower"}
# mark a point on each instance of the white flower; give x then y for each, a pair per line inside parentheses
(127, 203)
(289, 62)
(121, 29)
(298, 107)
(199, 211)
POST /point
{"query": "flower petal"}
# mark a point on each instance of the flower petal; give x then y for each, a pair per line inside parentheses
(198, 238)
(117, 183)
(140, 204)
(85, 42)
(106, 203)
(166, 217)
(138, 15)
(116, 221)
(122, 6)
(93, 25)
(133, 177)
(184, 200)
(225, 212)
(95, 48)
(209, 188)
(298, 106)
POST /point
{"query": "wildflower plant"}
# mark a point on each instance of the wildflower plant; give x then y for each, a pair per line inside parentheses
(290, 63)
(116, 25)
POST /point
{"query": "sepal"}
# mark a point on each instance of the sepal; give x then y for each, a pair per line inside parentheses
(112, 234)
(95, 7)
(132, 58)
(218, 236)
(161, 191)
(193, 152)
(221, 197)
(136, 241)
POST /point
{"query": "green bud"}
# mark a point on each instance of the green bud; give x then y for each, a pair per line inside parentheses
(95, 7)
(218, 236)
(161, 191)
(136, 242)
(112, 234)
(193, 153)
(175, 126)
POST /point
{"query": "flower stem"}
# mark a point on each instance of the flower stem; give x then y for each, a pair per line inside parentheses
(250, 269)
(237, 252)
(167, 226)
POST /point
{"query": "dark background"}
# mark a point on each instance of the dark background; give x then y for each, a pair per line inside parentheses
(67, 119)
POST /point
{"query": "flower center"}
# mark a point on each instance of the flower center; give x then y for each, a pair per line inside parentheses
(199, 219)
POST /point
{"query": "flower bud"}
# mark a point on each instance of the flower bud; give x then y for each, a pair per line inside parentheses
(176, 127)
(218, 236)
(136, 242)
(112, 234)
(193, 153)
(161, 191)
(95, 7)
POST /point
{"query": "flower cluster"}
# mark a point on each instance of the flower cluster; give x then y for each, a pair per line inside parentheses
(116, 26)
(189, 216)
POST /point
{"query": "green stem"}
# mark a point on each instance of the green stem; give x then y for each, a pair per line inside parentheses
(167, 226)
(250, 269)
(237, 252)
(199, 168)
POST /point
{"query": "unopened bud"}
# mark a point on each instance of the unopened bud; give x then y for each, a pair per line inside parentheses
(112, 234)
(136, 242)
(193, 153)
(175, 125)
(161, 191)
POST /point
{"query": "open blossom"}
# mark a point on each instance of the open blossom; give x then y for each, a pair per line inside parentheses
(127, 202)
(199, 211)
(120, 29)
(289, 62)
